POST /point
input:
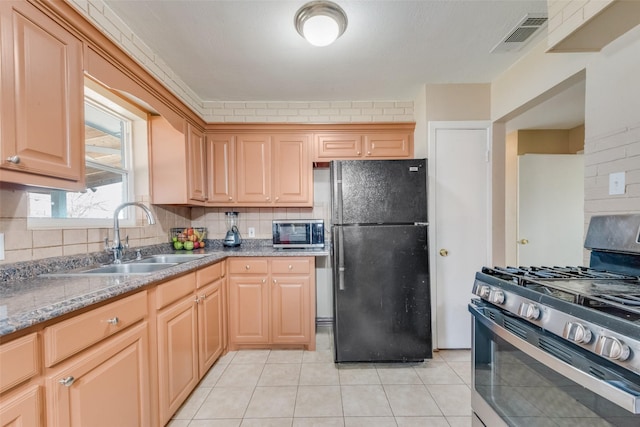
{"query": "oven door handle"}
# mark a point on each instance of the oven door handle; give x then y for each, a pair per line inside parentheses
(622, 398)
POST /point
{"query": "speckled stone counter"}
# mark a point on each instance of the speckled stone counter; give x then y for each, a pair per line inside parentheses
(27, 299)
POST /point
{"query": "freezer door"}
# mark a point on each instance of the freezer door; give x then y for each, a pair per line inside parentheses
(382, 302)
(379, 191)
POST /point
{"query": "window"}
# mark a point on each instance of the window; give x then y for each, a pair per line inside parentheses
(108, 174)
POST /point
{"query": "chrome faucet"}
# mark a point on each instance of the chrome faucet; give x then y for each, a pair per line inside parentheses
(118, 247)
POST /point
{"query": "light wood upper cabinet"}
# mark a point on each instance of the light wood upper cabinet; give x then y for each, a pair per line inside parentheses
(177, 163)
(253, 168)
(221, 168)
(41, 114)
(260, 169)
(337, 146)
(292, 170)
(196, 166)
(357, 145)
(386, 145)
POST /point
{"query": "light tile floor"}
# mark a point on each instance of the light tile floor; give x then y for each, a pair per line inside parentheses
(295, 388)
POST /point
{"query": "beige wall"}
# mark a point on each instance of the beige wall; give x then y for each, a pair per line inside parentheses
(550, 141)
(612, 134)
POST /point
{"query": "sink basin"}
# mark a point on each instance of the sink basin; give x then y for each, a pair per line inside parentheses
(137, 268)
(169, 258)
(115, 269)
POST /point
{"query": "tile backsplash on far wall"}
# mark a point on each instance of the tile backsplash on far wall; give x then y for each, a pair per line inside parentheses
(260, 218)
(25, 244)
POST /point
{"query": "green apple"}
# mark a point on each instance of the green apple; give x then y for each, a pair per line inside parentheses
(177, 245)
(188, 245)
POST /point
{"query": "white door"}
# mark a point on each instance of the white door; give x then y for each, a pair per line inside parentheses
(550, 209)
(459, 188)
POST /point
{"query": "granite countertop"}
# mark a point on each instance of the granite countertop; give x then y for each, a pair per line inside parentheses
(27, 299)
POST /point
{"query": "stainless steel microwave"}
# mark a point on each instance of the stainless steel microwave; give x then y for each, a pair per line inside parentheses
(298, 233)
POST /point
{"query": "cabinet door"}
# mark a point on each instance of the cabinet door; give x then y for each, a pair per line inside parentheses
(292, 171)
(290, 309)
(210, 325)
(22, 408)
(395, 145)
(253, 169)
(197, 164)
(338, 146)
(220, 169)
(248, 310)
(42, 97)
(177, 355)
(106, 386)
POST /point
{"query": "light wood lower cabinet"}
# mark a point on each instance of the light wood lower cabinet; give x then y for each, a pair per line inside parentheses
(190, 334)
(211, 315)
(272, 302)
(99, 361)
(106, 386)
(22, 407)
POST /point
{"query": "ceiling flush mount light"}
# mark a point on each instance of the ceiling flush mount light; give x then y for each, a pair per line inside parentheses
(320, 22)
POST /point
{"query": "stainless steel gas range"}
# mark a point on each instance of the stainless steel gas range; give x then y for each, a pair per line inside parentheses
(560, 346)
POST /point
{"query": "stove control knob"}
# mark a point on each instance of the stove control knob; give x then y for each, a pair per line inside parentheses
(577, 333)
(483, 291)
(497, 297)
(529, 311)
(612, 348)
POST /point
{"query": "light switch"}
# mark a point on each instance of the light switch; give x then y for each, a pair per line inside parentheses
(616, 183)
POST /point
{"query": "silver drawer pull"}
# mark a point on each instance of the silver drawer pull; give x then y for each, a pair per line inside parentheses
(290, 267)
(13, 159)
(246, 267)
(113, 321)
(67, 381)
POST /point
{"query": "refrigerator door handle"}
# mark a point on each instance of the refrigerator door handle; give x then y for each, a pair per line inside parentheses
(341, 268)
(337, 183)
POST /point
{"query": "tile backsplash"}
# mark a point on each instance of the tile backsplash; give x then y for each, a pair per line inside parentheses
(24, 244)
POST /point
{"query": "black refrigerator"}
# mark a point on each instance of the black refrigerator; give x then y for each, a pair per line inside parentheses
(380, 262)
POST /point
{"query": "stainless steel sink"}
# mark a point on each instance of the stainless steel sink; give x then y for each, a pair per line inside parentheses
(115, 270)
(168, 258)
(137, 268)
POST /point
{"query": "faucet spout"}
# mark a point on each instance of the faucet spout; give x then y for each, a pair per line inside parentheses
(118, 248)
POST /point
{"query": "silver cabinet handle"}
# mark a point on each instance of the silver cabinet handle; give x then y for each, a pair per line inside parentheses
(264, 280)
(113, 321)
(290, 267)
(67, 381)
(13, 159)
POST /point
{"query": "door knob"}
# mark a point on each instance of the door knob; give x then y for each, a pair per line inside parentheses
(444, 252)
(523, 241)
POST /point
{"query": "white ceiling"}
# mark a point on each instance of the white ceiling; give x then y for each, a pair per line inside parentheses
(249, 50)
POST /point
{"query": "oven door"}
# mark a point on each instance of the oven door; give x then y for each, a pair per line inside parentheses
(523, 376)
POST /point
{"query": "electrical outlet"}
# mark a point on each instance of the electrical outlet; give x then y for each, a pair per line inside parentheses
(1, 246)
(616, 183)
(251, 231)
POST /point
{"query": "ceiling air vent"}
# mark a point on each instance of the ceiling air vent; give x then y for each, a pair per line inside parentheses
(523, 32)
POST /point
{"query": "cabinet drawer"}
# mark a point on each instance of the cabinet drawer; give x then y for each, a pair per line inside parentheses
(67, 338)
(248, 266)
(173, 290)
(22, 356)
(209, 274)
(291, 265)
